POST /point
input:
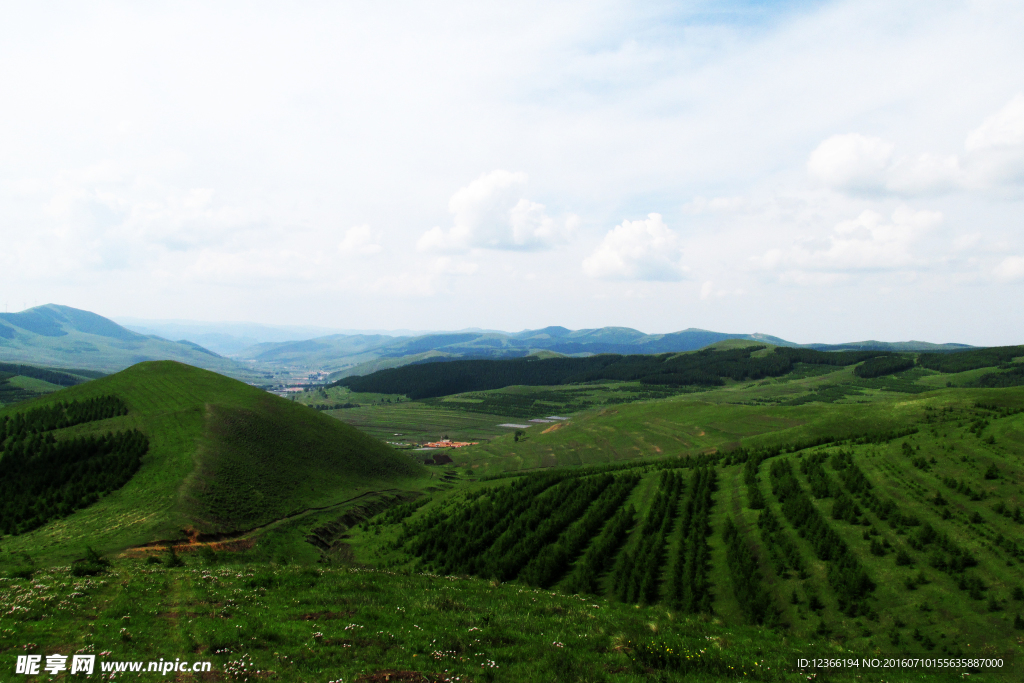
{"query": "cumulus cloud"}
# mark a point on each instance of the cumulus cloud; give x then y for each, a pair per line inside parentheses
(638, 250)
(360, 239)
(866, 243)
(862, 164)
(996, 148)
(492, 213)
(1003, 129)
(993, 157)
(1010, 269)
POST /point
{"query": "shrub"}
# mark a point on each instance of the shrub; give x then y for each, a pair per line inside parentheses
(22, 573)
(207, 555)
(172, 558)
(93, 564)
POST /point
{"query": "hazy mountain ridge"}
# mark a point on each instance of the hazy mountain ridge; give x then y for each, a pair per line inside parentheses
(346, 355)
(61, 336)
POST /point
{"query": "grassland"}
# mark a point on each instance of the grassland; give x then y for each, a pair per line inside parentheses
(338, 586)
(962, 436)
(224, 458)
(313, 624)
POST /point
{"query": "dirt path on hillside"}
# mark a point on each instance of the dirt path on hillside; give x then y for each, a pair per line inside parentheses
(236, 540)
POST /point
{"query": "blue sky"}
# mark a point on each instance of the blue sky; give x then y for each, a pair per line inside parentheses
(822, 171)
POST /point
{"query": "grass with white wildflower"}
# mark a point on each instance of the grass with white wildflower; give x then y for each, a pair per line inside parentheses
(259, 622)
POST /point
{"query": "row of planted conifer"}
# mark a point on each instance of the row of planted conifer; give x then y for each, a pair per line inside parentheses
(42, 479)
(689, 586)
(845, 573)
(449, 539)
(637, 574)
(747, 582)
(946, 555)
(538, 526)
(60, 415)
(586, 573)
(551, 563)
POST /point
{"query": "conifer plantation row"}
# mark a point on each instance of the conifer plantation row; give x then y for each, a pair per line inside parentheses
(60, 415)
(579, 531)
(43, 477)
(637, 575)
(690, 588)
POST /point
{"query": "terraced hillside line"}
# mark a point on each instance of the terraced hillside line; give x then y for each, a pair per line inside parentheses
(552, 562)
(916, 576)
(950, 553)
(636, 577)
(845, 573)
(690, 589)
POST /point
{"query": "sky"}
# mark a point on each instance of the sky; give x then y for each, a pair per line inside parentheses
(818, 171)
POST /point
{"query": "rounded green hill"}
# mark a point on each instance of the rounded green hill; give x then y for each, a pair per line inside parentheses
(224, 457)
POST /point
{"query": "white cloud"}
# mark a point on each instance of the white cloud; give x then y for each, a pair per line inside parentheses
(360, 239)
(860, 164)
(491, 213)
(851, 162)
(1010, 269)
(638, 250)
(1003, 129)
(996, 148)
(866, 243)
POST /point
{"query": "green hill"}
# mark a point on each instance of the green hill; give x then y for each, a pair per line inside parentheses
(223, 457)
(66, 337)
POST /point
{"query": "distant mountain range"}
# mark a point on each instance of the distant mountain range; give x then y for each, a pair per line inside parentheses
(61, 336)
(346, 355)
(229, 338)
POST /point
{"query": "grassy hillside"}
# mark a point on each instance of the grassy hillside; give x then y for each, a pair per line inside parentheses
(931, 519)
(19, 382)
(327, 624)
(223, 457)
(67, 337)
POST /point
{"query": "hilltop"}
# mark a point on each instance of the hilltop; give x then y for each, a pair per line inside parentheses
(66, 337)
(222, 458)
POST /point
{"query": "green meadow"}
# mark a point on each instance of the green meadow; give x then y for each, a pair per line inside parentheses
(658, 533)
